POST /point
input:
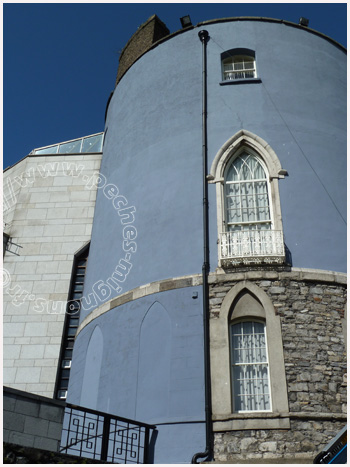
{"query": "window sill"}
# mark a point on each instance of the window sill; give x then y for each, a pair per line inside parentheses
(251, 421)
(240, 81)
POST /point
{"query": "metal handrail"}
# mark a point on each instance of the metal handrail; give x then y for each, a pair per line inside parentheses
(107, 437)
(105, 414)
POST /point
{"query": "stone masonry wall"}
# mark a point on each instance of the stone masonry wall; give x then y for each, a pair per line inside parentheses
(312, 320)
(32, 421)
(49, 204)
(147, 34)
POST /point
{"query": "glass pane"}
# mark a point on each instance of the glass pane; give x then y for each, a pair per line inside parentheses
(247, 327)
(259, 327)
(232, 189)
(247, 169)
(233, 171)
(76, 295)
(64, 383)
(70, 148)
(49, 150)
(259, 172)
(92, 144)
(62, 394)
(73, 321)
(68, 353)
(249, 368)
(72, 331)
(234, 216)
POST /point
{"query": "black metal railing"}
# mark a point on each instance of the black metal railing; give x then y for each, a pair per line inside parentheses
(101, 436)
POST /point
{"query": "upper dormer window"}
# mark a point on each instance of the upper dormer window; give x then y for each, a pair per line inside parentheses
(239, 67)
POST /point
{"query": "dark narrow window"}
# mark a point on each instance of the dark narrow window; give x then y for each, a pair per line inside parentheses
(71, 323)
(5, 239)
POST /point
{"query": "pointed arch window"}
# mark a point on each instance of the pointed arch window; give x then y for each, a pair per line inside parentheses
(247, 194)
(246, 171)
(248, 379)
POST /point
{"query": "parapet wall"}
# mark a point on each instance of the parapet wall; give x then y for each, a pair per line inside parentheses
(31, 420)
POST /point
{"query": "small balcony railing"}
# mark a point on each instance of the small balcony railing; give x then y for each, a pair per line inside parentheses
(252, 247)
(97, 435)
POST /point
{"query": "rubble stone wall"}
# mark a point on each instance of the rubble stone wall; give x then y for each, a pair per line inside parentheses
(311, 310)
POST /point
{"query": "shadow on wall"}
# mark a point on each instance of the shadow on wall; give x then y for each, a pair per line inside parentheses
(289, 260)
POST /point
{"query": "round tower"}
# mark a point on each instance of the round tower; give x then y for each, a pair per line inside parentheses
(275, 145)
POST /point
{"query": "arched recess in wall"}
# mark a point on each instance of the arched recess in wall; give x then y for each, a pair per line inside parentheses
(153, 382)
(92, 370)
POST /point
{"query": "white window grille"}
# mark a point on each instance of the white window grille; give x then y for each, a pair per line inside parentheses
(246, 195)
(239, 67)
(249, 236)
(249, 367)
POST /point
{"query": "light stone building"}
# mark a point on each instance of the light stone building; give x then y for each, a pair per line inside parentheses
(49, 203)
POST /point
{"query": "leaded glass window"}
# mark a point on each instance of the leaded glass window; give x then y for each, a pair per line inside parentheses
(246, 194)
(249, 367)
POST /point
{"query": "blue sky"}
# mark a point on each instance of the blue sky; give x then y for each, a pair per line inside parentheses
(60, 60)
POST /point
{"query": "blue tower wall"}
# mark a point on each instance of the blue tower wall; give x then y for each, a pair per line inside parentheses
(152, 149)
(152, 368)
(153, 161)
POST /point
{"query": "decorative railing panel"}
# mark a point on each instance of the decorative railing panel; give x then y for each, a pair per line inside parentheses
(97, 435)
(252, 247)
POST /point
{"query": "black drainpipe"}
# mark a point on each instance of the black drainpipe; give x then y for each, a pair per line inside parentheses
(204, 37)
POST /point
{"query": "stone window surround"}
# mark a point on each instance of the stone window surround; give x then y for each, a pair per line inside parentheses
(245, 140)
(223, 417)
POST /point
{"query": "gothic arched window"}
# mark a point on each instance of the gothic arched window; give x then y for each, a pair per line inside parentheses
(247, 194)
(248, 373)
(246, 171)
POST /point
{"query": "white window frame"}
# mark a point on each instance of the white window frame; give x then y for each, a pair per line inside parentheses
(245, 140)
(233, 364)
(223, 414)
(238, 73)
(238, 154)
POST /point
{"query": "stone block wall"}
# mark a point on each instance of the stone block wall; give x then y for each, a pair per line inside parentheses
(31, 420)
(311, 307)
(49, 204)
